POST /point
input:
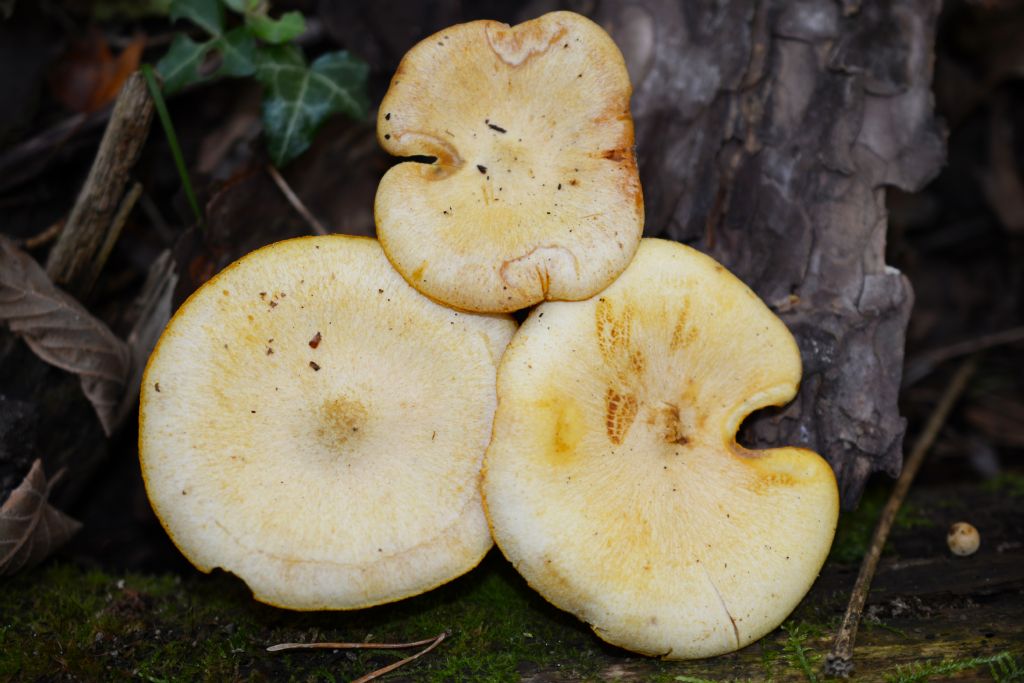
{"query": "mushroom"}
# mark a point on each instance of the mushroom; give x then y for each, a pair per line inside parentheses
(614, 482)
(963, 539)
(314, 425)
(533, 192)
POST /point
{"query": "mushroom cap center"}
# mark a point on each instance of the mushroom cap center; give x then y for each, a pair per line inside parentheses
(340, 421)
(670, 424)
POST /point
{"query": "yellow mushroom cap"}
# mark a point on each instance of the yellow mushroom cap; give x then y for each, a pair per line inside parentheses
(613, 481)
(534, 194)
(314, 425)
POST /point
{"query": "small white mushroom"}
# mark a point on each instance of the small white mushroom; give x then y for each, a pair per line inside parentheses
(963, 539)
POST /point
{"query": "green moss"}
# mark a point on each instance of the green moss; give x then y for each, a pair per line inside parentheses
(1003, 667)
(1008, 483)
(67, 621)
(853, 535)
(796, 651)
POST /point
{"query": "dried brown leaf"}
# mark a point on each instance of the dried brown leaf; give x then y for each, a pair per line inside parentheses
(61, 332)
(88, 76)
(154, 306)
(30, 528)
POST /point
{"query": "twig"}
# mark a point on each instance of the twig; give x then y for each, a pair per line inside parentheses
(921, 365)
(840, 660)
(391, 667)
(45, 237)
(284, 647)
(27, 159)
(77, 258)
(120, 218)
(294, 200)
(430, 643)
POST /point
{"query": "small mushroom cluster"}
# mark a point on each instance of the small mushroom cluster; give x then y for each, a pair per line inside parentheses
(343, 423)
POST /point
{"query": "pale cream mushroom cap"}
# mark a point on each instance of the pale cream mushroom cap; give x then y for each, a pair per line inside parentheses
(334, 477)
(534, 194)
(613, 481)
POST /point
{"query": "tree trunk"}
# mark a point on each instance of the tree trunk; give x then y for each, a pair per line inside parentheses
(767, 133)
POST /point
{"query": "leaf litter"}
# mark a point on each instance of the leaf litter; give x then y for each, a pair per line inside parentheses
(30, 528)
(62, 332)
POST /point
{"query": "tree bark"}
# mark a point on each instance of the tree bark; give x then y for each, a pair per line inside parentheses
(767, 133)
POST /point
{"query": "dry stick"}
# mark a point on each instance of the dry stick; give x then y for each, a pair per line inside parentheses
(431, 643)
(294, 200)
(840, 660)
(283, 647)
(45, 237)
(391, 667)
(117, 223)
(921, 365)
(77, 258)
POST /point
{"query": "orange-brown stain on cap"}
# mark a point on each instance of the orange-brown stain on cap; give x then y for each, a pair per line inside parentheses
(620, 412)
(566, 428)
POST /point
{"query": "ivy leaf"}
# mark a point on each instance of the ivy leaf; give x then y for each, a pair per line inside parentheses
(180, 66)
(299, 98)
(276, 31)
(206, 14)
(242, 6)
(237, 48)
(345, 77)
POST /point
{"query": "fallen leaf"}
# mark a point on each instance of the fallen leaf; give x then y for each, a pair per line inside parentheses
(30, 528)
(61, 332)
(154, 310)
(88, 77)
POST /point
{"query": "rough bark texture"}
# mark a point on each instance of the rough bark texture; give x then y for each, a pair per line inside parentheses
(79, 254)
(766, 135)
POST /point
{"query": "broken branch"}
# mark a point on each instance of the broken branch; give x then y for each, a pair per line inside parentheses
(840, 660)
(294, 200)
(78, 256)
(430, 643)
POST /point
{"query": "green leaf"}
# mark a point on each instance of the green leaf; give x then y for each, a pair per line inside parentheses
(172, 139)
(276, 31)
(344, 76)
(237, 48)
(299, 98)
(241, 6)
(206, 14)
(180, 66)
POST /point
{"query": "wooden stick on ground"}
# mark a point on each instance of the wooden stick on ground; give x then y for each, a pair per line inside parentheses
(430, 643)
(921, 365)
(840, 660)
(294, 200)
(79, 254)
